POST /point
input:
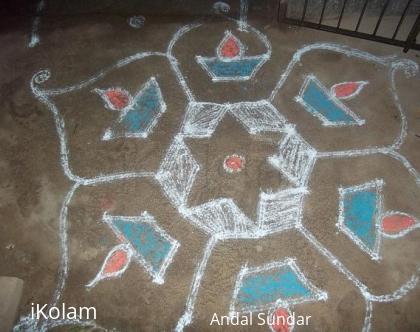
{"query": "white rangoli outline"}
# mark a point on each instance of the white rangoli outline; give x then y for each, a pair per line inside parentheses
(145, 217)
(360, 86)
(377, 186)
(311, 110)
(296, 159)
(316, 293)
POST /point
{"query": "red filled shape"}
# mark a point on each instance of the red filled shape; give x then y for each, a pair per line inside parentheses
(396, 223)
(347, 89)
(230, 48)
(279, 320)
(234, 163)
(116, 262)
(118, 98)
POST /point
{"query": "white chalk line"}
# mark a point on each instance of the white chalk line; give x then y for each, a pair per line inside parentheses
(367, 323)
(187, 316)
(34, 41)
(243, 25)
(64, 258)
(361, 85)
(377, 186)
(145, 217)
(38, 91)
(221, 7)
(174, 62)
(312, 111)
(348, 51)
(402, 232)
(136, 22)
(42, 95)
(101, 275)
(144, 133)
(410, 69)
(263, 58)
(390, 297)
(316, 293)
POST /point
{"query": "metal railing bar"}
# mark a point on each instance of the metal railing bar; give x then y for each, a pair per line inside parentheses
(324, 5)
(410, 43)
(341, 14)
(361, 15)
(353, 33)
(304, 11)
(411, 39)
(401, 19)
(381, 17)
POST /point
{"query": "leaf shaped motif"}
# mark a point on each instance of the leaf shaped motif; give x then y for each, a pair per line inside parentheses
(397, 224)
(347, 90)
(115, 99)
(115, 264)
(230, 47)
(279, 322)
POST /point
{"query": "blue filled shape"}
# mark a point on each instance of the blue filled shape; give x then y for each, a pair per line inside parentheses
(146, 240)
(320, 101)
(140, 117)
(243, 67)
(145, 108)
(268, 287)
(359, 215)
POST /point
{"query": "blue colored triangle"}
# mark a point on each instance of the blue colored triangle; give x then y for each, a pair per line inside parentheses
(319, 101)
(360, 209)
(266, 288)
(272, 285)
(142, 115)
(149, 243)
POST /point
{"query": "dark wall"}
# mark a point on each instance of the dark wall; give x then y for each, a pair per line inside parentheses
(132, 7)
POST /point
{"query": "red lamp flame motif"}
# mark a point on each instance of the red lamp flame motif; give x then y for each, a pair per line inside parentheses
(279, 321)
(230, 47)
(114, 265)
(397, 224)
(230, 62)
(116, 99)
(347, 90)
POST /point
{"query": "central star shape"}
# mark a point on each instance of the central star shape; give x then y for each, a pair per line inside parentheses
(243, 185)
(220, 174)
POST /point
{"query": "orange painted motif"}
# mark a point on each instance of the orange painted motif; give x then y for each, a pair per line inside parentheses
(396, 223)
(234, 163)
(116, 262)
(279, 320)
(118, 98)
(230, 48)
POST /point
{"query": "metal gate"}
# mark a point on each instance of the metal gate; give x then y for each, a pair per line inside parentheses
(395, 22)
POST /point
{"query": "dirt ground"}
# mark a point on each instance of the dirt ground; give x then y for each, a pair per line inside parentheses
(33, 184)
